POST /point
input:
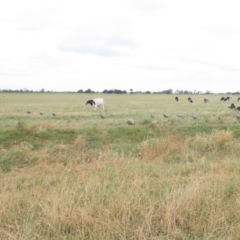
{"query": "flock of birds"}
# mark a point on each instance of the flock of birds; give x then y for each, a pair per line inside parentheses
(41, 113)
(131, 122)
(177, 114)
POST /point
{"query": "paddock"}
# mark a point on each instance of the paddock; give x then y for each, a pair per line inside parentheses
(71, 110)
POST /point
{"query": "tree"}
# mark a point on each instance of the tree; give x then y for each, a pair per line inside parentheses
(207, 92)
(89, 91)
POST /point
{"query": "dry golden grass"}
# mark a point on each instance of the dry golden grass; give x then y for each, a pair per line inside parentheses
(175, 183)
(162, 148)
(118, 198)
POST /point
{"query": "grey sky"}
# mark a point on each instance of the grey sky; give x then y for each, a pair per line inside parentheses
(141, 44)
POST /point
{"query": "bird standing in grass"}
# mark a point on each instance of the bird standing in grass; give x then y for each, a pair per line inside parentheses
(165, 115)
(129, 120)
(41, 113)
(194, 116)
(54, 114)
(28, 111)
(232, 106)
(180, 115)
(152, 116)
(102, 116)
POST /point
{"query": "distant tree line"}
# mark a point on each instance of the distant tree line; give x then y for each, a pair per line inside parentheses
(114, 91)
(118, 91)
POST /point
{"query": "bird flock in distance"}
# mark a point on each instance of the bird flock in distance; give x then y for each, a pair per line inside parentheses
(99, 102)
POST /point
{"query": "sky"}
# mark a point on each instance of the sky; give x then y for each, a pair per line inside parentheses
(144, 45)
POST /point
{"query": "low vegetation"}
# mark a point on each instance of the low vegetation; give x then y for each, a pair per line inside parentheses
(79, 176)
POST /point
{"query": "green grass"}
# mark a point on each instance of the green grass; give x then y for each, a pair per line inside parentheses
(37, 139)
(77, 176)
(13, 158)
(193, 130)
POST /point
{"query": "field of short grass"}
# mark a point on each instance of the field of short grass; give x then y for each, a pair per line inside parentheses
(78, 176)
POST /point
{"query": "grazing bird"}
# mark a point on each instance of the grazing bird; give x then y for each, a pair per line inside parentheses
(194, 116)
(165, 115)
(205, 100)
(28, 112)
(176, 98)
(180, 115)
(129, 120)
(152, 116)
(41, 113)
(226, 99)
(54, 114)
(232, 106)
(102, 116)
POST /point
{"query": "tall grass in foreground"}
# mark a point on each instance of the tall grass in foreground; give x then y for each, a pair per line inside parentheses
(88, 178)
(175, 188)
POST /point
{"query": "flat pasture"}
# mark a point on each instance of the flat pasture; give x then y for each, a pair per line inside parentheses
(71, 110)
(77, 175)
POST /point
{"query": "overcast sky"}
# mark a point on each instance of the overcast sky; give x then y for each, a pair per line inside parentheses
(146, 45)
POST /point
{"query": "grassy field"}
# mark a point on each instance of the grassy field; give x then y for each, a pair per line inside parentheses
(78, 176)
